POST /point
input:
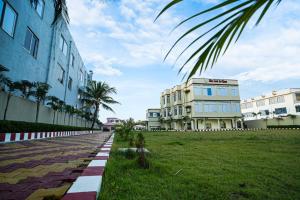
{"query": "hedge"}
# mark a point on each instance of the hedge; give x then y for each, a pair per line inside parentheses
(284, 126)
(17, 127)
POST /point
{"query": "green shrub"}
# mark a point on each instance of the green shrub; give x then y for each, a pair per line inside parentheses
(16, 127)
(140, 145)
(51, 197)
(130, 154)
(284, 126)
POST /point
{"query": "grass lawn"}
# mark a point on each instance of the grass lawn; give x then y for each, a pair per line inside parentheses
(208, 165)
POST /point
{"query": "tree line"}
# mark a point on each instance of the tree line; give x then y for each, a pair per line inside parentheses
(94, 96)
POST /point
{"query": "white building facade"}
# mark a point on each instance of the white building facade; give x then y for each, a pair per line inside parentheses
(272, 105)
(201, 104)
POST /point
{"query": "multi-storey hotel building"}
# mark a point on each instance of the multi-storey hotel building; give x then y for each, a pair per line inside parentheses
(272, 105)
(36, 45)
(201, 104)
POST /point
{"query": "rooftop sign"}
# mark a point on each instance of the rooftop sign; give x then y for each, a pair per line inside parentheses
(217, 81)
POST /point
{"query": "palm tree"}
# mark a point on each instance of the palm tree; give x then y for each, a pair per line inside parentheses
(25, 88)
(11, 88)
(97, 95)
(40, 94)
(228, 21)
(53, 102)
(254, 115)
(60, 105)
(3, 79)
(67, 109)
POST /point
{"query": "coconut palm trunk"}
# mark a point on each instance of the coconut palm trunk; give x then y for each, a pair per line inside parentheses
(7, 104)
(95, 116)
(37, 111)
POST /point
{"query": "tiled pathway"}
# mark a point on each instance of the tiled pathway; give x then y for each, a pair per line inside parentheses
(41, 168)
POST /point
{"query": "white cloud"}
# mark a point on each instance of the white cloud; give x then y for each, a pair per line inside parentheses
(122, 35)
(102, 65)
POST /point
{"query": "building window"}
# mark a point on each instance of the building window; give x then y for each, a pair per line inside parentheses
(164, 100)
(155, 115)
(297, 96)
(31, 43)
(225, 107)
(260, 103)
(279, 111)
(198, 107)
(39, 5)
(70, 82)
(179, 95)
(81, 76)
(168, 98)
(247, 105)
(280, 99)
(274, 100)
(210, 108)
(169, 112)
(61, 74)
(236, 108)
(72, 60)
(197, 91)
(8, 18)
(174, 97)
(175, 110)
(297, 108)
(63, 45)
(222, 124)
(222, 92)
(234, 92)
(1, 8)
(208, 91)
(264, 112)
(180, 110)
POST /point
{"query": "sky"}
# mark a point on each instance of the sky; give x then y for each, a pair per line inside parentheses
(121, 43)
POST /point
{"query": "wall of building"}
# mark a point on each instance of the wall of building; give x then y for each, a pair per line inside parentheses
(44, 68)
(263, 123)
(14, 56)
(58, 59)
(20, 109)
(251, 108)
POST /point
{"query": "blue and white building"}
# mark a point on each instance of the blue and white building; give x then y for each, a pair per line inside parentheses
(201, 103)
(36, 45)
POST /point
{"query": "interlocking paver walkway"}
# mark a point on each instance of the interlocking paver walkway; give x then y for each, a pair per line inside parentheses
(37, 169)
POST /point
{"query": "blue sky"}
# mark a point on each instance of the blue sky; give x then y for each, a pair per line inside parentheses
(120, 43)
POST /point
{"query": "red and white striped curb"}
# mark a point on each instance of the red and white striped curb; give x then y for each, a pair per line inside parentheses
(24, 136)
(88, 185)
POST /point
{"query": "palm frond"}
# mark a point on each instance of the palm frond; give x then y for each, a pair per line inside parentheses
(107, 107)
(227, 26)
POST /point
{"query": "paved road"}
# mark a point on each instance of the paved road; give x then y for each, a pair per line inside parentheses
(41, 168)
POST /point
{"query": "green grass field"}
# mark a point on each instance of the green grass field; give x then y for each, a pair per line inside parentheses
(208, 165)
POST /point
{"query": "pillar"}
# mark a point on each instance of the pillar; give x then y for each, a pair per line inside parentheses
(219, 126)
(232, 123)
(192, 125)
